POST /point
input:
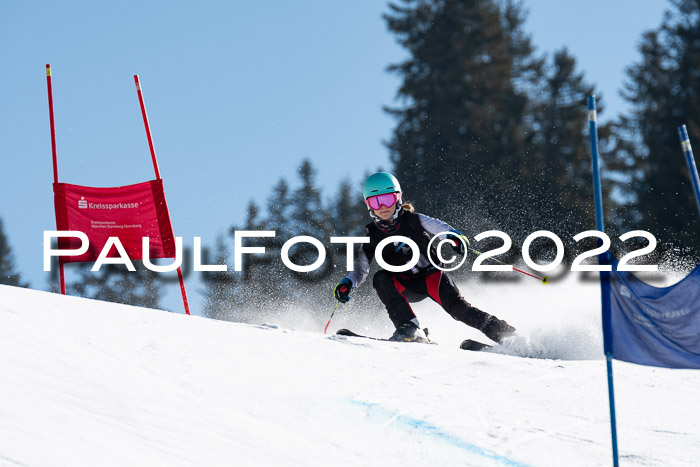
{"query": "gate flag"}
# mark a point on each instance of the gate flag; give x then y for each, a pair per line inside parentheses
(127, 212)
(654, 326)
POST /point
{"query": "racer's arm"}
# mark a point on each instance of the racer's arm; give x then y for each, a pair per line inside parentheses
(360, 271)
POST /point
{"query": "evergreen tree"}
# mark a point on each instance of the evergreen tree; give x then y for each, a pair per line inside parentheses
(222, 298)
(239, 295)
(664, 91)
(115, 283)
(349, 216)
(278, 207)
(266, 285)
(286, 215)
(8, 274)
(559, 163)
(460, 139)
(308, 215)
(348, 212)
(252, 266)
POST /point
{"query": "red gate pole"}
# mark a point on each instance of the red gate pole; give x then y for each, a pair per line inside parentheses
(49, 87)
(155, 167)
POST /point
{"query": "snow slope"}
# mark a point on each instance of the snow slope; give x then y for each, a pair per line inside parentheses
(84, 382)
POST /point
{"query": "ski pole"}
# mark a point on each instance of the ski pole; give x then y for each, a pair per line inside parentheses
(325, 330)
(545, 279)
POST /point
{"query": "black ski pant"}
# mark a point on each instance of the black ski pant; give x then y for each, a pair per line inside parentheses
(397, 291)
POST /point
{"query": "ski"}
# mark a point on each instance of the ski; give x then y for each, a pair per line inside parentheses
(474, 346)
(468, 344)
(347, 332)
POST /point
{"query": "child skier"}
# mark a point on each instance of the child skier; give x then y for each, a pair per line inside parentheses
(382, 194)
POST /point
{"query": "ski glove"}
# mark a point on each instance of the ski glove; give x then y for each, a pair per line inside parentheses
(342, 290)
(461, 242)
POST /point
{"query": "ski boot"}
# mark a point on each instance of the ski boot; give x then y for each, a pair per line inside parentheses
(496, 329)
(409, 332)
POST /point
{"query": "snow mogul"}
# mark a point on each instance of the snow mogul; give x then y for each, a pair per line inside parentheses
(383, 197)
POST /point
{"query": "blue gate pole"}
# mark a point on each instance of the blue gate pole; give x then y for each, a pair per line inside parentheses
(692, 168)
(604, 275)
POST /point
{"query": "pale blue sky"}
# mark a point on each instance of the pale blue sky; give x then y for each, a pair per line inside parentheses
(238, 93)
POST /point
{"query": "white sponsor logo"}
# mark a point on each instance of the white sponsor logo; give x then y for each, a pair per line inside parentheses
(83, 204)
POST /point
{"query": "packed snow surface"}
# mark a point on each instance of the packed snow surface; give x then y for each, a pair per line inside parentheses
(85, 382)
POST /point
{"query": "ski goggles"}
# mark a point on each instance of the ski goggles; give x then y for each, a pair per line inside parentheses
(387, 199)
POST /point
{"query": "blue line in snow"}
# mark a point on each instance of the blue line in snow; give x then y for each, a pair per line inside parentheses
(434, 431)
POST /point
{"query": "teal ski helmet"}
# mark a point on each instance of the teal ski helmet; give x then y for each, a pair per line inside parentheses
(379, 184)
(382, 183)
